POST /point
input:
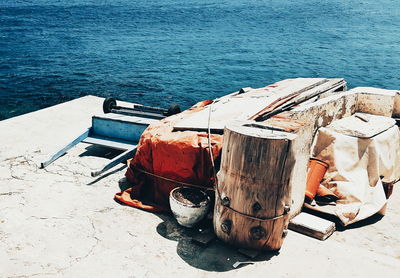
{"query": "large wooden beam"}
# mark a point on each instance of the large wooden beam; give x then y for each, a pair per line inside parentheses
(242, 106)
(253, 191)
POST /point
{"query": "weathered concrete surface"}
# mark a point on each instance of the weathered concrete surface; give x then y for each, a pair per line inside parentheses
(60, 222)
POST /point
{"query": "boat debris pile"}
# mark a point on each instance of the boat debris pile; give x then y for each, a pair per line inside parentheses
(252, 149)
(259, 157)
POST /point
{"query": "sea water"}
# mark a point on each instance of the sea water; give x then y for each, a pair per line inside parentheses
(159, 52)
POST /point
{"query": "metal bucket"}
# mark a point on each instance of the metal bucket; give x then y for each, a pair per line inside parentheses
(189, 205)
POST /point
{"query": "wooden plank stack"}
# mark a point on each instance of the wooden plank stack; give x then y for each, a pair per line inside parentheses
(252, 103)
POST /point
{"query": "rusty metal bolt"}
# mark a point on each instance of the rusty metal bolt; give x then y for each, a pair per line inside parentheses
(286, 209)
(226, 202)
(226, 226)
(256, 207)
(257, 233)
(284, 234)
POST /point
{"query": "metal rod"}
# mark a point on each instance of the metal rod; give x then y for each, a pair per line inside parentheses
(124, 156)
(149, 108)
(65, 149)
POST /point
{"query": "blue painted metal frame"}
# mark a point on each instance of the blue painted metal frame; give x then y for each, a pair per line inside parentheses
(89, 137)
(66, 148)
(110, 130)
(122, 157)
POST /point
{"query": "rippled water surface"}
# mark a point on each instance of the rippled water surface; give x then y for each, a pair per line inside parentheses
(159, 52)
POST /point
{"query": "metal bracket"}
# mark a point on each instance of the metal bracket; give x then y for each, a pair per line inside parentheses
(69, 146)
(87, 137)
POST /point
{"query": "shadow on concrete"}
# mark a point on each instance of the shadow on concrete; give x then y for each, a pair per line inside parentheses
(101, 151)
(339, 226)
(124, 184)
(365, 222)
(216, 256)
(108, 173)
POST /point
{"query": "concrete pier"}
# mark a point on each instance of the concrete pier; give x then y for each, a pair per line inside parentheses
(61, 222)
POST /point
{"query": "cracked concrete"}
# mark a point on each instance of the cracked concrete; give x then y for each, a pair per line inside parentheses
(61, 222)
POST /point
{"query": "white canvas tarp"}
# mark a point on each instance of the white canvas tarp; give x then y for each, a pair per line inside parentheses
(362, 151)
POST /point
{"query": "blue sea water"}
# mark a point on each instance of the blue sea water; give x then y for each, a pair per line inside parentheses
(159, 52)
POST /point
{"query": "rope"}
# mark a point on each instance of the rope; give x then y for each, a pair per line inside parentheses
(210, 147)
(172, 180)
(216, 179)
(261, 219)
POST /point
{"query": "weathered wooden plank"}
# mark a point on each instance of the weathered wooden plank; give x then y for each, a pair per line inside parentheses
(300, 96)
(222, 112)
(312, 226)
(243, 106)
(286, 87)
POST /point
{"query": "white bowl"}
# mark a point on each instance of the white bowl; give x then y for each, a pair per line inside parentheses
(187, 213)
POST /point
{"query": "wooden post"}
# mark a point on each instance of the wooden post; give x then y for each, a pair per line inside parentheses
(253, 193)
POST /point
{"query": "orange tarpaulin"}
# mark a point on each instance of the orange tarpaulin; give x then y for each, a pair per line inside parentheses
(166, 159)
